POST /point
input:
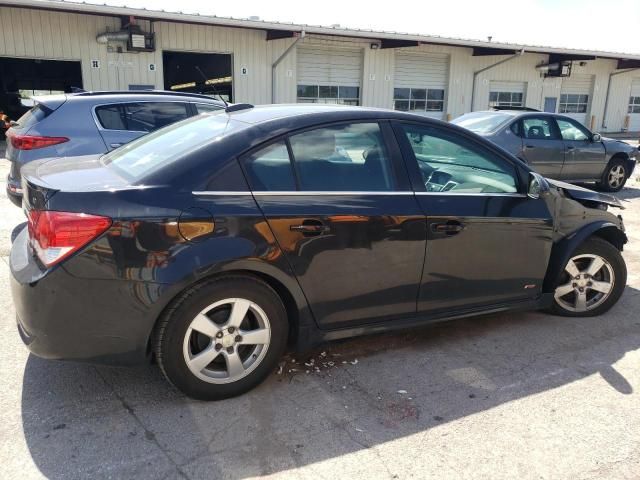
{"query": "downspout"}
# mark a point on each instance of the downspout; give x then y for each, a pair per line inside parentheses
(277, 62)
(606, 98)
(482, 70)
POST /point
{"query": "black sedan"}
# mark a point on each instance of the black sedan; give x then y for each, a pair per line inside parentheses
(216, 243)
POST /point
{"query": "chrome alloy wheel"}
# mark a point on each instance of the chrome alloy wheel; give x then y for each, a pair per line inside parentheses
(616, 176)
(227, 340)
(588, 281)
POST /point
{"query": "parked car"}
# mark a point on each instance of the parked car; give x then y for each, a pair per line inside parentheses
(75, 124)
(216, 242)
(556, 146)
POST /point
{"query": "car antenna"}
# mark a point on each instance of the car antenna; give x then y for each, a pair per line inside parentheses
(215, 90)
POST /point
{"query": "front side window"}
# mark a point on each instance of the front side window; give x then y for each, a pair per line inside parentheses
(140, 116)
(418, 99)
(634, 105)
(506, 99)
(571, 130)
(538, 128)
(269, 169)
(347, 157)
(338, 94)
(573, 103)
(450, 163)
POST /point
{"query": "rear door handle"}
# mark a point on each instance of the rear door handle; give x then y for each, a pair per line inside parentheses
(570, 148)
(115, 145)
(529, 146)
(452, 227)
(310, 227)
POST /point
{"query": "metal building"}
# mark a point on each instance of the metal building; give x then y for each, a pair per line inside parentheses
(55, 45)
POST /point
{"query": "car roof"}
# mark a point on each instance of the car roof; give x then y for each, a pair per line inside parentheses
(517, 113)
(126, 96)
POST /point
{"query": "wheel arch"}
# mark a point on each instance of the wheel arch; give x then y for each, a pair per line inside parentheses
(301, 323)
(562, 250)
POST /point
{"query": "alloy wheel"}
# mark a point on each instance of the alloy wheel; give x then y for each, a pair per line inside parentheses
(227, 340)
(616, 176)
(587, 282)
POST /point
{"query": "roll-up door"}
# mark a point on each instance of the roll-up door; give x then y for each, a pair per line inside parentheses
(329, 75)
(420, 83)
(507, 94)
(575, 97)
(634, 106)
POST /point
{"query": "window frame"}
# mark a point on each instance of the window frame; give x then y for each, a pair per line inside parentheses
(510, 103)
(425, 100)
(318, 86)
(189, 108)
(555, 130)
(634, 105)
(562, 106)
(398, 172)
(411, 162)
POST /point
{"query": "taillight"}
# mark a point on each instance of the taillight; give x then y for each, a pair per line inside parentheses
(33, 142)
(56, 235)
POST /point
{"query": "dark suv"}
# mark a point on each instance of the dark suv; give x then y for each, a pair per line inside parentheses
(71, 125)
(556, 146)
(214, 243)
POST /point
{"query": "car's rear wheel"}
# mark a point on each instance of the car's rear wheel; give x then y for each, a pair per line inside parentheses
(592, 281)
(222, 338)
(614, 177)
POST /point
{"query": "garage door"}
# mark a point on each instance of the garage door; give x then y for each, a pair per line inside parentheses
(507, 94)
(420, 83)
(329, 75)
(634, 106)
(575, 97)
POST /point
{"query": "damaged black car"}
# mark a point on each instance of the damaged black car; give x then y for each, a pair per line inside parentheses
(214, 245)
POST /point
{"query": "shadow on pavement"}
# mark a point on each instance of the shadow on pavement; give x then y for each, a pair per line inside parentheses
(82, 420)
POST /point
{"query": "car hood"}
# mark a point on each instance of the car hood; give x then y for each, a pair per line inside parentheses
(581, 193)
(618, 145)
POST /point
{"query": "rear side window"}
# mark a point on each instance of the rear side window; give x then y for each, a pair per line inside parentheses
(539, 128)
(269, 169)
(141, 116)
(33, 116)
(347, 157)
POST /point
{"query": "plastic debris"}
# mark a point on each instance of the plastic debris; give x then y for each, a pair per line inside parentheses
(402, 392)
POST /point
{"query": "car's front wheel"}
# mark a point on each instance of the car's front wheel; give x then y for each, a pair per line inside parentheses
(614, 177)
(221, 338)
(592, 281)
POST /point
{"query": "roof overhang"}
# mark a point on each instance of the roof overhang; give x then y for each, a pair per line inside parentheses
(284, 30)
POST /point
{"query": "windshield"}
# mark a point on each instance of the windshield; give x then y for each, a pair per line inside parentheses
(482, 122)
(149, 153)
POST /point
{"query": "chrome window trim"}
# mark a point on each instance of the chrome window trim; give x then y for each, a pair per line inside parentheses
(336, 193)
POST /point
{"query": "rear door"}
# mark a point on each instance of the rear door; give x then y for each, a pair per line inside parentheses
(488, 243)
(542, 147)
(583, 158)
(120, 123)
(338, 201)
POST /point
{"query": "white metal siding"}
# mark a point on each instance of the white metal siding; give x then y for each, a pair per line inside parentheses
(580, 84)
(324, 66)
(634, 118)
(513, 87)
(419, 70)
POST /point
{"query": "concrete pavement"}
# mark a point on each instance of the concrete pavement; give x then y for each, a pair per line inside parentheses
(518, 395)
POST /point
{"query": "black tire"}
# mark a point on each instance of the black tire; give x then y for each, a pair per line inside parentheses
(169, 335)
(602, 248)
(605, 182)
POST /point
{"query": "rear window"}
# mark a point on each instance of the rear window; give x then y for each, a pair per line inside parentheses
(147, 154)
(33, 116)
(482, 122)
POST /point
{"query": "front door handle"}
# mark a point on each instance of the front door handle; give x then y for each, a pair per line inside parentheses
(310, 227)
(115, 145)
(570, 148)
(529, 146)
(452, 227)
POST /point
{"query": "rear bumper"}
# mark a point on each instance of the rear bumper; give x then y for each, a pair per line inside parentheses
(63, 317)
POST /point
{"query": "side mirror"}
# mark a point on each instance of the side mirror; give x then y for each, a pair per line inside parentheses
(538, 186)
(596, 137)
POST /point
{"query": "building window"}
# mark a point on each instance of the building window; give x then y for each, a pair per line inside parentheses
(506, 99)
(634, 104)
(418, 99)
(573, 103)
(341, 94)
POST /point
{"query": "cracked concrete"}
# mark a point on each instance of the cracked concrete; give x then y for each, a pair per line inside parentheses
(515, 395)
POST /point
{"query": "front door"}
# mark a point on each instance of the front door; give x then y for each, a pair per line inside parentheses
(583, 158)
(488, 243)
(542, 147)
(339, 203)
